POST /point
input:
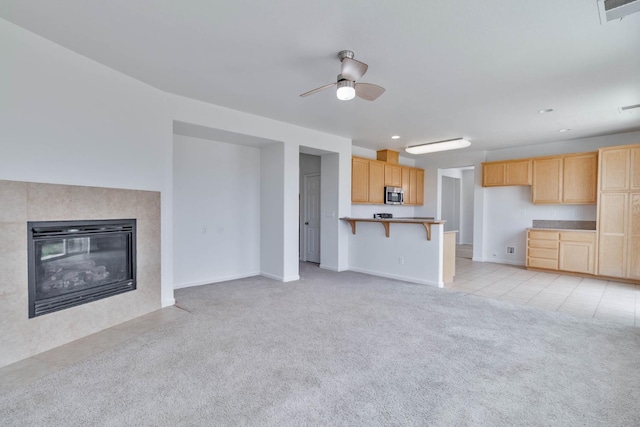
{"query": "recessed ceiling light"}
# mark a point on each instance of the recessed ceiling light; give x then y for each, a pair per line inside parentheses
(564, 130)
(545, 110)
(395, 137)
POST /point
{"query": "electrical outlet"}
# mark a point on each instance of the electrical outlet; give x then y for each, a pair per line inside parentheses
(511, 250)
(400, 260)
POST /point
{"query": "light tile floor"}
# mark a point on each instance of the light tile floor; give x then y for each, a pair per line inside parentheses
(602, 299)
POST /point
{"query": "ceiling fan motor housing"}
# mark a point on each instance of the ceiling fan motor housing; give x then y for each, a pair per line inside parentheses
(345, 54)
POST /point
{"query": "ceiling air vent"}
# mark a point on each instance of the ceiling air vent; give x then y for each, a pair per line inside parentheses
(616, 9)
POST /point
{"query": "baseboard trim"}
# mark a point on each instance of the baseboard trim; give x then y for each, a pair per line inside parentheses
(214, 280)
(396, 277)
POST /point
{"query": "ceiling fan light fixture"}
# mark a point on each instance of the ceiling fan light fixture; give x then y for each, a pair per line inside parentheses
(346, 90)
(432, 147)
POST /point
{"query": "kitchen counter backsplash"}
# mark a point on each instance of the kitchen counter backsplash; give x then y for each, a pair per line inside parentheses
(564, 224)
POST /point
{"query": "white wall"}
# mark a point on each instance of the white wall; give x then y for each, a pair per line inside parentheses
(272, 210)
(287, 159)
(405, 255)
(466, 229)
(216, 211)
(65, 119)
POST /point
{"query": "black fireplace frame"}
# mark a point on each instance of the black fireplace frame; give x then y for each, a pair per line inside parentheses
(54, 230)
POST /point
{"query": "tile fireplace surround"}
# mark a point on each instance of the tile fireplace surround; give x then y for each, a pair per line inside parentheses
(21, 337)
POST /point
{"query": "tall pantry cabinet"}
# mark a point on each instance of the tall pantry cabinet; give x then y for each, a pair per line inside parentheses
(619, 212)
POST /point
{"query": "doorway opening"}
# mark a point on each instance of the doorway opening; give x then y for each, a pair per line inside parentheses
(310, 200)
(455, 189)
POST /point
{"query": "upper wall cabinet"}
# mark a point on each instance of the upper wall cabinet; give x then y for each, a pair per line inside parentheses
(570, 179)
(580, 178)
(367, 181)
(510, 172)
(369, 177)
(392, 175)
(547, 180)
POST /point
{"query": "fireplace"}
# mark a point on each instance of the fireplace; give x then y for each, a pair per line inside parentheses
(77, 262)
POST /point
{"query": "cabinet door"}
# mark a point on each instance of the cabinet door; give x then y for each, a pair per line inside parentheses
(413, 186)
(392, 175)
(614, 169)
(405, 183)
(577, 251)
(633, 248)
(359, 180)
(579, 178)
(376, 182)
(612, 251)
(518, 173)
(493, 174)
(420, 187)
(576, 256)
(547, 180)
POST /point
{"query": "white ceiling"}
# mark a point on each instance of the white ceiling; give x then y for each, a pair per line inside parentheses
(477, 69)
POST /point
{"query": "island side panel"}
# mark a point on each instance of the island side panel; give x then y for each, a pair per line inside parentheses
(405, 255)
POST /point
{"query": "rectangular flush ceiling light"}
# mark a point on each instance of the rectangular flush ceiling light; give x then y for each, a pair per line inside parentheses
(432, 147)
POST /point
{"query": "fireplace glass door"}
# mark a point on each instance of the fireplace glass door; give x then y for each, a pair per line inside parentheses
(76, 262)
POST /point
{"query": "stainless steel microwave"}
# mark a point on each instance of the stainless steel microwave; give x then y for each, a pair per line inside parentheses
(393, 195)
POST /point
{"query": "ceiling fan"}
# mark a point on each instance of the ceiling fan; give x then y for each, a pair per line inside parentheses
(347, 88)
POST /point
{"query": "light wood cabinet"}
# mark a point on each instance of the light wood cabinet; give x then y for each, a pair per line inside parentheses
(376, 182)
(579, 178)
(392, 175)
(576, 251)
(542, 249)
(568, 179)
(547, 180)
(359, 180)
(413, 186)
(619, 212)
(367, 181)
(504, 173)
(369, 177)
(563, 250)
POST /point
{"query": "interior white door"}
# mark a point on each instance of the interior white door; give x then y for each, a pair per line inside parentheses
(312, 218)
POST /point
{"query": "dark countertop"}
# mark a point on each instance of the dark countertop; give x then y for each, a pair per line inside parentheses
(563, 225)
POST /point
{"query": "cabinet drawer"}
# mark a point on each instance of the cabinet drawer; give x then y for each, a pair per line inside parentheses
(577, 236)
(550, 264)
(543, 253)
(543, 235)
(549, 244)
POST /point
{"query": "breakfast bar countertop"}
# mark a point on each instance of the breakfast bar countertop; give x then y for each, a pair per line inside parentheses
(425, 221)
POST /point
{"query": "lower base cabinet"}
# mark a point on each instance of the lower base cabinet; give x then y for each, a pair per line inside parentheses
(577, 252)
(572, 251)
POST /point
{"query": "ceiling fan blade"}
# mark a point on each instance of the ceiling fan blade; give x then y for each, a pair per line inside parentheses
(352, 69)
(318, 89)
(369, 91)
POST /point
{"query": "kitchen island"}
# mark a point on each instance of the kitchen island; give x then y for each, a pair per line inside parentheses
(405, 253)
